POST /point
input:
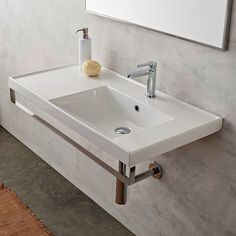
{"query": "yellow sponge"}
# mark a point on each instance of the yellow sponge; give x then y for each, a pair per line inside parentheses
(91, 68)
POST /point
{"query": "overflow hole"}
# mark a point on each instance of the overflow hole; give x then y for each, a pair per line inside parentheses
(136, 107)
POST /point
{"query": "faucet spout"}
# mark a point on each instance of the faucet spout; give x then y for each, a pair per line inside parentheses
(139, 73)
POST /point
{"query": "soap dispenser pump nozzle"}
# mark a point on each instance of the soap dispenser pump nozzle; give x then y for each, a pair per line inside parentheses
(85, 32)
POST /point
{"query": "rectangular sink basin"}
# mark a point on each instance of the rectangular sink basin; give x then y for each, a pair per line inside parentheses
(110, 112)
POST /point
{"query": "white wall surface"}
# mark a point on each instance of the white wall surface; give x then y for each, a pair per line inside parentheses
(197, 194)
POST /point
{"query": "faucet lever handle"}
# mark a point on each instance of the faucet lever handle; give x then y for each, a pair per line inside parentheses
(151, 64)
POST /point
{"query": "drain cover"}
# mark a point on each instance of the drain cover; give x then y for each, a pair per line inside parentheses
(122, 130)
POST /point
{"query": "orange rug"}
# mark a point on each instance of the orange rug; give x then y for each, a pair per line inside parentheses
(16, 219)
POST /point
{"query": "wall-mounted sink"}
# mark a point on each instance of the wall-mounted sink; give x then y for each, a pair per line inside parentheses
(94, 108)
(110, 112)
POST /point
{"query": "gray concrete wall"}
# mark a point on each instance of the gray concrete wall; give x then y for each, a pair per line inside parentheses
(197, 194)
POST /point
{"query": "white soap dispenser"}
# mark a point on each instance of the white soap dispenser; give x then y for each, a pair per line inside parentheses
(85, 47)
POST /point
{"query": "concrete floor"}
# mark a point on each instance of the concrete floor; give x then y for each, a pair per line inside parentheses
(63, 208)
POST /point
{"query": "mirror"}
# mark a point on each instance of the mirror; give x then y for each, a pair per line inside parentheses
(202, 21)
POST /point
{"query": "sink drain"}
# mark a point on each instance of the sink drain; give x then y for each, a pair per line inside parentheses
(122, 130)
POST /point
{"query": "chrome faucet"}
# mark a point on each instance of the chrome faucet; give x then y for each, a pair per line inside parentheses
(151, 72)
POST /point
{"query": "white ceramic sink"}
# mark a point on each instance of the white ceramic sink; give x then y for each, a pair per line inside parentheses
(92, 108)
(106, 109)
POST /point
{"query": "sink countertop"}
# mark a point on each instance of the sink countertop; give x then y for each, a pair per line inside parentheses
(188, 123)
